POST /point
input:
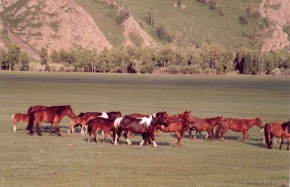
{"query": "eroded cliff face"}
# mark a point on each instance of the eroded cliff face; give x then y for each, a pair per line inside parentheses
(278, 13)
(54, 24)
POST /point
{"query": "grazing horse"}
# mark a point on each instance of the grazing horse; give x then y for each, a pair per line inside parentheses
(238, 125)
(204, 124)
(177, 124)
(280, 131)
(48, 116)
(96, 124)
(18, 118)
(83, 118)
(142, 126)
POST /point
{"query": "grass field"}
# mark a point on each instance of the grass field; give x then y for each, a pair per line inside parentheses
(69, 161)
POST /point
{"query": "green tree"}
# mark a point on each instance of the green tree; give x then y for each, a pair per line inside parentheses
(54, 56)
(43, 54)
(13, 56)
(4, 59)
(248, 66)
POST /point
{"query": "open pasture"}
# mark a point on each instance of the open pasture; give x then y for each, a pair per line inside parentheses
(69, 161)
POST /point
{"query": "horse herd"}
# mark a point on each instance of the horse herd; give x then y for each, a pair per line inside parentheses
(113, 123)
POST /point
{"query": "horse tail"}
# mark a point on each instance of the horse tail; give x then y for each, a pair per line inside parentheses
(31, 122)
(89, 126)
(217, 132)
(12, 120)
(266, 133)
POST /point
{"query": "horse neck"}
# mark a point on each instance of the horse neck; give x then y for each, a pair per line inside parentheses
(64, 113)
(253, 122)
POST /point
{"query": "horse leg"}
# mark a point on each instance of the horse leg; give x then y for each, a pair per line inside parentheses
(245, 135)
(112, 139)
(95, 137)
(282, 140)
(89, 138)
(105, 134)
(178, 139)
(126, 137)
(223, 133)
(38, 129)
(190, 134)
(57, 129)
(144, 139)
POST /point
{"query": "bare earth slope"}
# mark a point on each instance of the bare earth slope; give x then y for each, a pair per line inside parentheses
(278, 12)
(54, 24)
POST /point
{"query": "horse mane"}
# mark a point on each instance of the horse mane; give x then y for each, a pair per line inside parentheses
(286, 124)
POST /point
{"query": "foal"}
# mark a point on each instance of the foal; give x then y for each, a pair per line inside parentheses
(18, 118)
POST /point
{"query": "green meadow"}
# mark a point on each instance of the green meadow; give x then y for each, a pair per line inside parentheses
(69, 160)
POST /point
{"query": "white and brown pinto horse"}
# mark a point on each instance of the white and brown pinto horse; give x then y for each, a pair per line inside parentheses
(142, 126)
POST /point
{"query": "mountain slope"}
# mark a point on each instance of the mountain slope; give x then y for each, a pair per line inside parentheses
(57, 24)
(93, 24)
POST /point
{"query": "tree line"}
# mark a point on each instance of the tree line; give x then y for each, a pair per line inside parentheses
(206, 59)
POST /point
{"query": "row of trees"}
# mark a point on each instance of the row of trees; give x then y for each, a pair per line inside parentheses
(209, 58)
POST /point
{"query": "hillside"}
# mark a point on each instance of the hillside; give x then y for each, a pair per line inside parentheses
(96, 24)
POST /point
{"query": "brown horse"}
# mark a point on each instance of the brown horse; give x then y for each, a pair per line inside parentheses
(18, 118)
(238, 125)
(48, 116)
(177, 124)
(83, 118)
(41, 107)
(204, 124)
(96, 124)
(277, 130)
(142, 126)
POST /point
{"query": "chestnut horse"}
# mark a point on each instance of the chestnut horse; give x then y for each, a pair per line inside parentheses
(48, 116)
(83, 118)
(41, 107)
(142, 126)
(204, 124)
(177, 124)
(280, 131)
(18, 118)
(238, 125)
(96, 124)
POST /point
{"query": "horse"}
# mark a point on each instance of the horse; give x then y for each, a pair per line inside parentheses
(238, 125)
(278, 130)
(142, 126)
(204, 124)
(48, 116)
(177, 124)
(18, 118)
(99, 123)
(139, 116)
(41, 107)
(83, 118)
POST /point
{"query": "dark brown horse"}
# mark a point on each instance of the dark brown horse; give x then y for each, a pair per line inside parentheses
(238, 125)
(204, 124)
(18, 118)
(48, 116)
(142, 126)
(177, 124)
(279, 131)
(96, 124)
(84, 117)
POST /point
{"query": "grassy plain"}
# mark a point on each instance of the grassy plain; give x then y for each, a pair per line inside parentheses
(69, 161)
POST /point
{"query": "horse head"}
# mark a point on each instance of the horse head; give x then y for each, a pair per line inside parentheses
(69, 112)
(259, 123)
(162, 118)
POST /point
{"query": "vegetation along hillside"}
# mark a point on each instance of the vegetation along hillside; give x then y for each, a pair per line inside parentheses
(166, 36)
